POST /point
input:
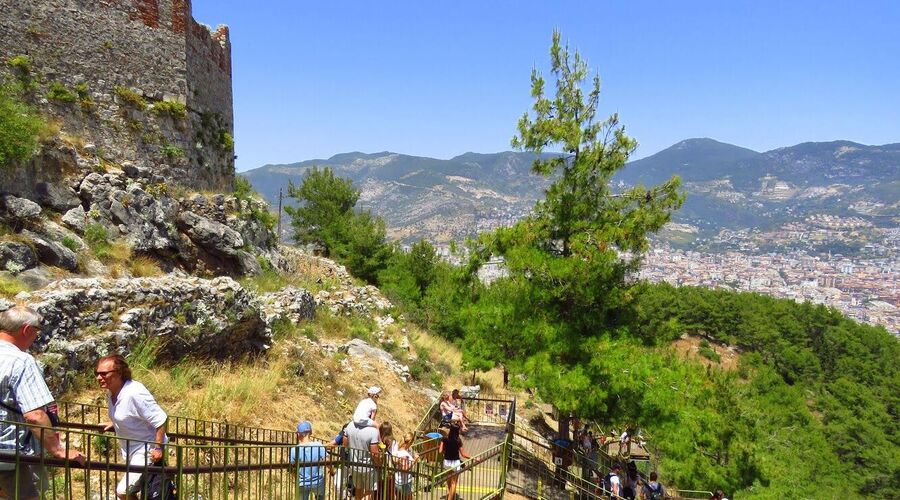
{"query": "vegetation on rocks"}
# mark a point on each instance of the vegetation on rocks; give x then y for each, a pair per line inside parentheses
(20, 127)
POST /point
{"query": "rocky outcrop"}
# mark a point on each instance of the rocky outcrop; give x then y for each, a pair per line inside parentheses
(88, 318)
(18, 209)
(201, 234)
(16, 256)
(291, 303)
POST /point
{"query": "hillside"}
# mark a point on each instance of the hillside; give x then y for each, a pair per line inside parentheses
(728, 187)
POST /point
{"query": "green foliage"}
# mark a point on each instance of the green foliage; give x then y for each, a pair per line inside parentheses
(96, 235)
(20, 63)
(84, 96)
(172, 151)
(10, 286)
(243, 190)
(226, 141)
(131, 97)
(174, 109)
(710, 354)
(71, 244)
(19, 129)
(326, 218)
(813, 359)
(569, 263)
(56, 91)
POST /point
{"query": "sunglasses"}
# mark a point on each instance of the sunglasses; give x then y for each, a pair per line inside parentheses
(103, 374)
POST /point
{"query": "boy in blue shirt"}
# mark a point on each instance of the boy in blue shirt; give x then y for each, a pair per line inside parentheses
(310, 478)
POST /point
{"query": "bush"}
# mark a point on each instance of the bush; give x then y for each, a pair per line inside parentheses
(61, 93)
(131, 97)
(20, 62)
(97, 238)
(70, 243)
(174, 109)
(19, 129)
(226, 141)
(710, 354)
(172, 152)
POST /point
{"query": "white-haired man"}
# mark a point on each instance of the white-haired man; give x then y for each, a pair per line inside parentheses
(25, 398)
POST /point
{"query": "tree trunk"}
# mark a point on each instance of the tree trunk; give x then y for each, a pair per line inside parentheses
(473, 376)
(505, 377)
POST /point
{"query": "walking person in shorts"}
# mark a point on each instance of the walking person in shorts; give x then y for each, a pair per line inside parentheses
(452, 448)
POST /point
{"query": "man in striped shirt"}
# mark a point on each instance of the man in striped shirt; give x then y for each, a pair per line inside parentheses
(24, 398)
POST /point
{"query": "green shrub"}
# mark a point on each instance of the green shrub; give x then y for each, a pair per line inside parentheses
(226, 141)
(131, 97)
(709, 353)
(96, 235)
(70, 243)
(172, 108)
(20, 62)
(172, 151)
(84, 96)
(19, 129)
(59, 92)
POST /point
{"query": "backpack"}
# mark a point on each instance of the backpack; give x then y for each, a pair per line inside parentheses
(159, 487)
(607, 481)
(655, 493)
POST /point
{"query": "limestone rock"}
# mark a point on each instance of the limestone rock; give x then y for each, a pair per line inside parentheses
(57, 197)
(19, 208)
(214, 237)
(87, 318)
(36, 278)
(16, 256)
(75, 219)
(52, 253)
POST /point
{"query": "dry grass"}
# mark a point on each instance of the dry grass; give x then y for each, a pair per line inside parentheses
(10, 286)
(143, 266)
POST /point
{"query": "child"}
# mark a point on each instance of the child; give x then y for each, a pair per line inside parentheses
(364, 415)
(403, 459)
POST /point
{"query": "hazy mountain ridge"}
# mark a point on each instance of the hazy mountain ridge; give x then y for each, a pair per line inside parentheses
(728, 186)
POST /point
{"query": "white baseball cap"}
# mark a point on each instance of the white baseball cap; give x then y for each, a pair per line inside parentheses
(374, 390)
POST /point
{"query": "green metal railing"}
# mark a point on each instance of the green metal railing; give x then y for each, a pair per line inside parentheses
(213, 460)
(89, 417)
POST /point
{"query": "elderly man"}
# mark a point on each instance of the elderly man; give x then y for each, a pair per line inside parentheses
(24, 397)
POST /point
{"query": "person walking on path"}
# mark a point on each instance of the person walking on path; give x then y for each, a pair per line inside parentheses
(653, 490)
(452, 448)
(364, 453)
(310, 478)
(26, 401)
(139, 422)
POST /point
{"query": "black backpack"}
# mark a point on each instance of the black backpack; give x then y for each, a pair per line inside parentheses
(607, 483)
(159, 487)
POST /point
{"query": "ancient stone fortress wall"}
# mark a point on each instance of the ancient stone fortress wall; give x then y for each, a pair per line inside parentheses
(125, 62)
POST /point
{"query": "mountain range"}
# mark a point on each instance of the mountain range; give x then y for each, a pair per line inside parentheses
(727, 186)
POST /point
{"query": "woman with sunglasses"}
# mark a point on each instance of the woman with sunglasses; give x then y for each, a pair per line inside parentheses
(139, 422)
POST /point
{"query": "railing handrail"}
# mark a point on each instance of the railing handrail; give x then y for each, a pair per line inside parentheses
(177, 422)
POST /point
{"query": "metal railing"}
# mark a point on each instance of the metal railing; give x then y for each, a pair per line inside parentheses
(213, 460)
(243, 471)
(89, 417)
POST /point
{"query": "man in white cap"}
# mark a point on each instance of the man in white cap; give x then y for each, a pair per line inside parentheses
(364, 415)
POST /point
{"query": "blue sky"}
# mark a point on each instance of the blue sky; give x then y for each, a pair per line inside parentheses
(439, 78)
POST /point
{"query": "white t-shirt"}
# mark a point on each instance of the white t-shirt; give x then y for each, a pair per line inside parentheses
(135, 415)
(614, 485)
(362, 416)
(401, 455)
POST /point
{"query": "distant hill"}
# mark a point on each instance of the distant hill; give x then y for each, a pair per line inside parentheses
(419, 197)
(728, 186)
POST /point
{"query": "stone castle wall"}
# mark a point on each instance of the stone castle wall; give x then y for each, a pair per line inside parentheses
(151, 47)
